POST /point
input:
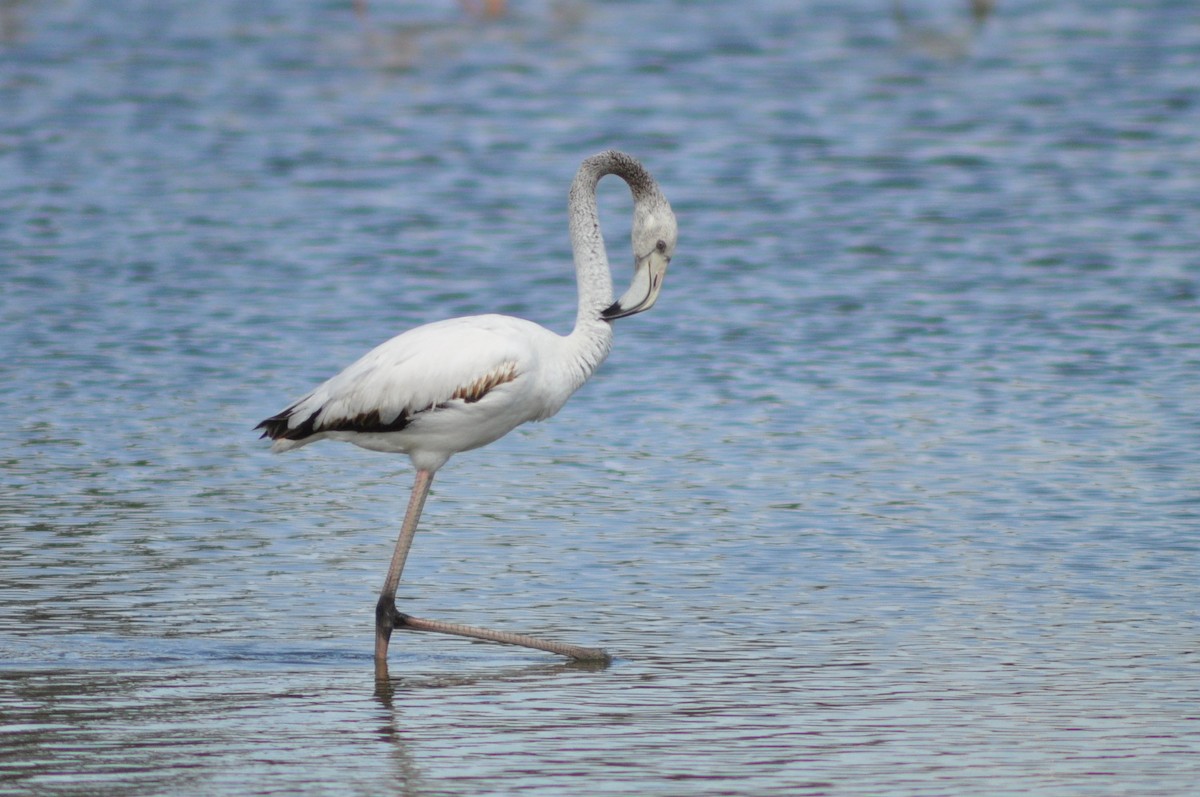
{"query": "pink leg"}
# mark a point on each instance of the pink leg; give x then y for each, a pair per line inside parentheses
(388, 617)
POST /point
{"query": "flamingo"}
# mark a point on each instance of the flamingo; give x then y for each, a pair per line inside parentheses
(462, 383)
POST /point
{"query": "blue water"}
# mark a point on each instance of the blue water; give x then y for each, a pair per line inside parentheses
(894, 492)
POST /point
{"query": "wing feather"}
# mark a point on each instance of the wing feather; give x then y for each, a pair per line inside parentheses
(422, 369)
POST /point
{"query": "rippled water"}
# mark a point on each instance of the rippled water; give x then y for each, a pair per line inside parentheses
(894, 492)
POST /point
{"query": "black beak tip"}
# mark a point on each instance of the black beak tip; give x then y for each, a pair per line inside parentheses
(613, 311)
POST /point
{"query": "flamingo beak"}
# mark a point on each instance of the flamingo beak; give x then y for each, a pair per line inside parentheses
(648, 273)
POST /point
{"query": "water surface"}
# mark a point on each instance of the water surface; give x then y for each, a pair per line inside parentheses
(894, 492)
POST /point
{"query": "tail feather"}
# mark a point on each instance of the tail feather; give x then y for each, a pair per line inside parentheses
(278, 427)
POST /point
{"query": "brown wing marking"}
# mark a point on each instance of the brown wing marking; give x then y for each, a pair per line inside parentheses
(501, 374)
(276, 427)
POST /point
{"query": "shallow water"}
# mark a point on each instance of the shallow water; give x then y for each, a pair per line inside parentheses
(894, 492)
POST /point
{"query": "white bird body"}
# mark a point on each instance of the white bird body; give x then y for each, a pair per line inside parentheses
(450, 386)
(459, 384)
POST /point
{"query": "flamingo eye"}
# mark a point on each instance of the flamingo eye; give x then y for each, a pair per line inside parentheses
(661, 246)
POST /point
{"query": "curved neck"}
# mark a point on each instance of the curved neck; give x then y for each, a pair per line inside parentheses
(592, 337)
(591, 260)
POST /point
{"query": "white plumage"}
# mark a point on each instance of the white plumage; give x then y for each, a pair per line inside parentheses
(450, 386)
(462, 383)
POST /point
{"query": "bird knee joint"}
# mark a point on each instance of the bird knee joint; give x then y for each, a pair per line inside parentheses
(387, 616)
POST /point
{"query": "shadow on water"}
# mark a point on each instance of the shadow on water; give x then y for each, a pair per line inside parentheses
(388, 686)
(404, 701)
(149, 720)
